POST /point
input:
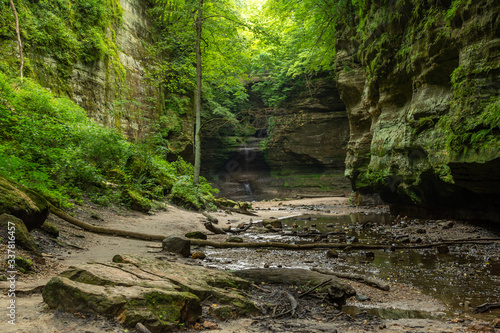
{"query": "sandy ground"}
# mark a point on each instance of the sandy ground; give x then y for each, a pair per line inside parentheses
(32, 315)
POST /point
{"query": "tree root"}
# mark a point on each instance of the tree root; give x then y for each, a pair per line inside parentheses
(102, 230)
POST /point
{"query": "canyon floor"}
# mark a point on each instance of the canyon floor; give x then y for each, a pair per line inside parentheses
(77, 246)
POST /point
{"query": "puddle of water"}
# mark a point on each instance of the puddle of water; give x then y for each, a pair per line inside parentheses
(461, 276)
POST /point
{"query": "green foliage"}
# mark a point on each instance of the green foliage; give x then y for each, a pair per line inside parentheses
(224, 63)
(66, 30)
(50, 145)
(191, 196)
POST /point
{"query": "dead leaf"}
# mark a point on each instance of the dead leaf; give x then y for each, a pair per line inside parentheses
(210, 326)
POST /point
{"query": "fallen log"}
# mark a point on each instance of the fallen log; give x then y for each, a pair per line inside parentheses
(382, 285)
(337, 290)
(486, 306)
(102, 230)
(200, 242)
(239, 211)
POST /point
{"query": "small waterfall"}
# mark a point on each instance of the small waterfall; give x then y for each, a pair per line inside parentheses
(242, 175)
(248, 189)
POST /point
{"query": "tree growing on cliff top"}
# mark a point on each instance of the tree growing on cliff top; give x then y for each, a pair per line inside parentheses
(211, 28)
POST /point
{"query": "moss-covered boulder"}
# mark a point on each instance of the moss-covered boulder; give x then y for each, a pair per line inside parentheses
(22, 236)
(23, 203)
(196, 235)
(159, 294)
(23, 264)
(50, 229)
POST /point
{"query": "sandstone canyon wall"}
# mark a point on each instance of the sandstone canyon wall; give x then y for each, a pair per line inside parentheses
(423, 98)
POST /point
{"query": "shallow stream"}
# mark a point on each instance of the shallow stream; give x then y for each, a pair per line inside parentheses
(465, 277)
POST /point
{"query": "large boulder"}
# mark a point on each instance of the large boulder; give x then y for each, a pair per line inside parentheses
(156, 293)
(22, 237)
(178, 245)
(23, 203)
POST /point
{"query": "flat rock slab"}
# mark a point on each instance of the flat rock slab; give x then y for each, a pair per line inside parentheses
(23, 288)
(158, 294)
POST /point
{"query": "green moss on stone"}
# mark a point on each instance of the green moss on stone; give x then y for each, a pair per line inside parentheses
(22, 236)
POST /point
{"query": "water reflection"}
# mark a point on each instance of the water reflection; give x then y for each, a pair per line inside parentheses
(459, 277)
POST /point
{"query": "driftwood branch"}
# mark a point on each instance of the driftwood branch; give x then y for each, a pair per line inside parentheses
(486, 306)
(315, 287)
(311, 245)
(216, 230)
(293, 305)
(102, 230)
(357, 277)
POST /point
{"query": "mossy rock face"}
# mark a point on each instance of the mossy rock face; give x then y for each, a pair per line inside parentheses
(22, 236)
(424, 126)
(160, 295)
(23, 203)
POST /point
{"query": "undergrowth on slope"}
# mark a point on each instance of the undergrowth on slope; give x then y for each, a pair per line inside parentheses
(50, 145)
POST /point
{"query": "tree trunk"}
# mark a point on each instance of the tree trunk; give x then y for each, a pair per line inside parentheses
(19, 43)
(197, 139)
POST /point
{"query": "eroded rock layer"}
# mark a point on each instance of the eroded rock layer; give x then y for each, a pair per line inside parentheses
(423, 100)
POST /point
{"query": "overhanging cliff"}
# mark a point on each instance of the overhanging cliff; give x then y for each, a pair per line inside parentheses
(423, 100)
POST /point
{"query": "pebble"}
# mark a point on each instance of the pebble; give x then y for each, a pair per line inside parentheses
(198, 255)
(362, 298)
(443, 249)
(332, 253)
